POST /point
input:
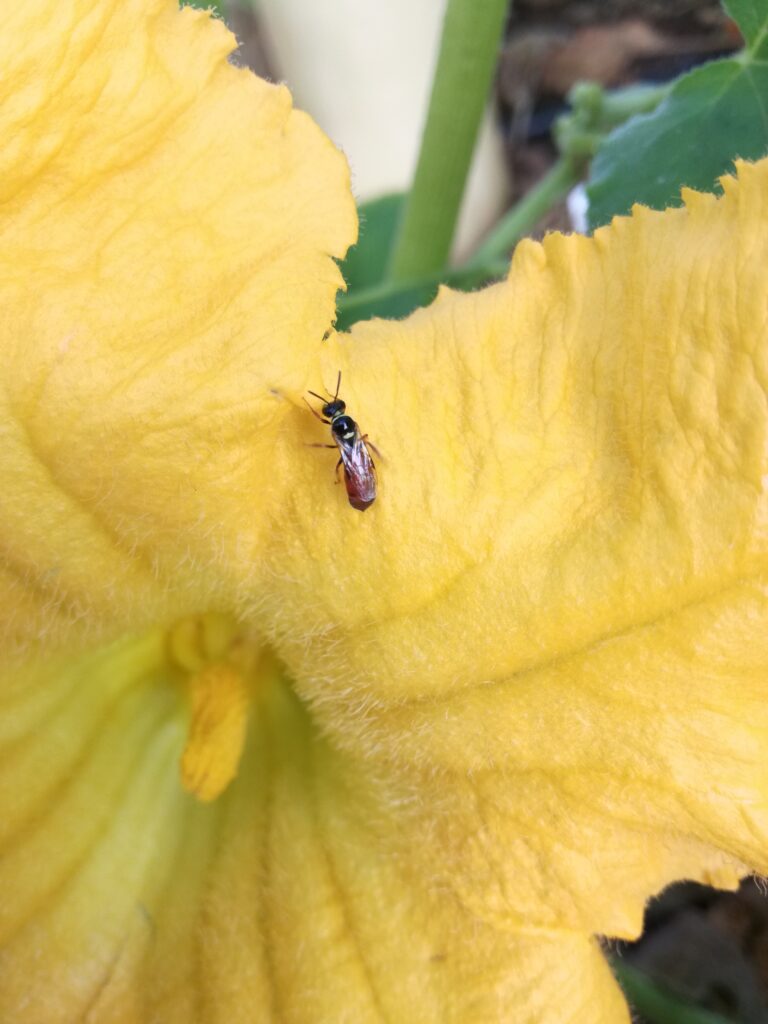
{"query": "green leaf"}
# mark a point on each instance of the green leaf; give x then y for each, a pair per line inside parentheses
(751, 17)
(389, 301)
(214, 6)
(392, 300)
(656, 1004)
(711, 116)
(366, 262)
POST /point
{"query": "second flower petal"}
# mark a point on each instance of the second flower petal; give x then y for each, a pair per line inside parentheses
(554, 610)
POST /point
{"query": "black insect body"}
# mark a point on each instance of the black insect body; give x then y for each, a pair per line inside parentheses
(359, 470)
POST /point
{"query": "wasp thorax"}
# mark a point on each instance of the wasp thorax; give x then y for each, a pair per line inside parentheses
(344, 428)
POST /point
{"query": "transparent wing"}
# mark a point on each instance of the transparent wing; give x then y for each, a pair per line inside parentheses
(359, 471)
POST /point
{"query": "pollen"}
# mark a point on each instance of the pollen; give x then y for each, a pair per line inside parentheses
(208, 653)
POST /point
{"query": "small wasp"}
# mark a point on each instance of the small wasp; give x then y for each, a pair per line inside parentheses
(359, 470)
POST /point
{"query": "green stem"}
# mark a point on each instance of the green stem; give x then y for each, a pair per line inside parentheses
(555, 184)
(657, 1004)
(622, 104)
(465, 67)
(595, 113)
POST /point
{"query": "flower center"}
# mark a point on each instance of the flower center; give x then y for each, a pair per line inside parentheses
(215, 663)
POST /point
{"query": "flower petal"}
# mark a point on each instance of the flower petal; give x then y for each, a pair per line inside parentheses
(167, 226)
(88, 780)
(553, 619)
(290, 898)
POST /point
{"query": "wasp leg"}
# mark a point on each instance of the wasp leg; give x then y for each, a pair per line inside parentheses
(315, 413)
(315, 444)
(370, 444)
(339, 463)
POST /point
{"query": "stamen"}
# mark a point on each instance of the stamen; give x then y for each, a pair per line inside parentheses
(201, 639)
(215, 666)
(216, 732)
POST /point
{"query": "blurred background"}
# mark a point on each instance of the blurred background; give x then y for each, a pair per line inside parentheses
(363, 70)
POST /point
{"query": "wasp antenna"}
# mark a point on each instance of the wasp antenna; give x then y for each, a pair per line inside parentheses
(338, 386)
(314, 412)
(315, 395)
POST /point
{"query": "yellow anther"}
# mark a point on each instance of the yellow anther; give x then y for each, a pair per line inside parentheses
(216, 732)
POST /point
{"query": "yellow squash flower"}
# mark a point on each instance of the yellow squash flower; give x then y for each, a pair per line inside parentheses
(264, 757)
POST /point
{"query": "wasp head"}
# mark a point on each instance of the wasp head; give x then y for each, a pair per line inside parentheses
(333, 409)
